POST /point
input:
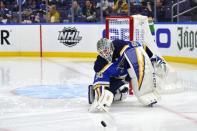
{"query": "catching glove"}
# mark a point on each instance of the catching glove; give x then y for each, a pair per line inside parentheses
(159, 66)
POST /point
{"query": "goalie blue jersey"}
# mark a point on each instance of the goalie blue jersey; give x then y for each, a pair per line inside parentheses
(118, 67)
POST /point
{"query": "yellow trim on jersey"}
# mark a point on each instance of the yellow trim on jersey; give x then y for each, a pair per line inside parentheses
(105, 68)
(123, 49)
(140, 59)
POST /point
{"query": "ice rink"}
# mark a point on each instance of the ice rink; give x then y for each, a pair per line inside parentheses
(50, 94)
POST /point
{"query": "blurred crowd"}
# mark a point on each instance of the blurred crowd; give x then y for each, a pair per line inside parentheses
(59, 11)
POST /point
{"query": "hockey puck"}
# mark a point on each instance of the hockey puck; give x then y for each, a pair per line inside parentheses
(103, 124)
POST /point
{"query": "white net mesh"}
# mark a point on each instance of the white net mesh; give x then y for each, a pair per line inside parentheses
(118, 28)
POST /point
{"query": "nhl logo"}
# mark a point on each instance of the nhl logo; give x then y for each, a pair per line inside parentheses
(69, 36)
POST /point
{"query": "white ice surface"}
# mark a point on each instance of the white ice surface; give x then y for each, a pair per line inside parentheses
(18, 112)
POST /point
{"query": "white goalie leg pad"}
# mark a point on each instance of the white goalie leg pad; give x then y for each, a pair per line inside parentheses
(147, 94)
(103, 103)
(145, 88)
(150, 98)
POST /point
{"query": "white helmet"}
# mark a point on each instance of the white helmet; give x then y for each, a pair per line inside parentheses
(105, 49)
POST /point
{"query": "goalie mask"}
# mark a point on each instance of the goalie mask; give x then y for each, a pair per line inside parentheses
(105, 49)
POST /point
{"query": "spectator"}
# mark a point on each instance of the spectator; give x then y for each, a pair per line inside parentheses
(194, 3)
(194, 12)
(26, 16)
(5, 13)
(150, 7)
(37, 16)
(141, 7)
(146, 9)
(53, 15)
(106, 7)
(75, 11)
(120, 7)
(161, 11)
(89, 12)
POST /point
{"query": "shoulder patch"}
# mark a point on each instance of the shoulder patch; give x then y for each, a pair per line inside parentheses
(99, 75)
